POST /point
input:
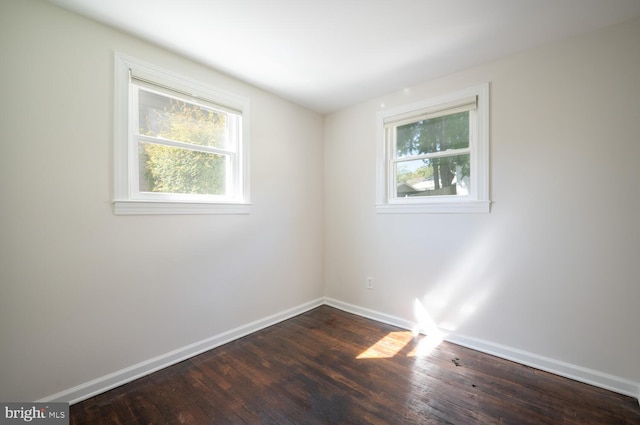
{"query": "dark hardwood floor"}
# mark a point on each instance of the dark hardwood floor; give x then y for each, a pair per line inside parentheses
(330, 367)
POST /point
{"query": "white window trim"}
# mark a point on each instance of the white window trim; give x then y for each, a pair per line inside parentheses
(125, 203)
(478, 200)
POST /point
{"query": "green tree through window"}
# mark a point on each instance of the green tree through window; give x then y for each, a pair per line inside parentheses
(181, 167)
(432, 136)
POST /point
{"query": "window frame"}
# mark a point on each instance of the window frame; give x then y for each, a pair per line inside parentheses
(477, 201)
(128, 199)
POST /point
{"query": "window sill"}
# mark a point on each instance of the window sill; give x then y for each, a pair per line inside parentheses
(155, 208)
(435, 207)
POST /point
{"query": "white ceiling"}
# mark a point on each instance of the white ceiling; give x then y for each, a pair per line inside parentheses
(328, 54)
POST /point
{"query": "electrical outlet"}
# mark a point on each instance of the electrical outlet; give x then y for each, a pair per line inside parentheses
(369, 283)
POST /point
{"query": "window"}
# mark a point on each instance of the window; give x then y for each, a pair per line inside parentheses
(433, 156)
(180, 146)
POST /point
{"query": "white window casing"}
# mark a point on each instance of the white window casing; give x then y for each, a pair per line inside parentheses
(132, 75)
(475, 100)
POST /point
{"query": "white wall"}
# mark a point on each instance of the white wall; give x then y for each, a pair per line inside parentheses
(84, 293)
(554, 269)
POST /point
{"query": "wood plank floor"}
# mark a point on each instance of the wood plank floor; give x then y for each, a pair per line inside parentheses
(330, 367)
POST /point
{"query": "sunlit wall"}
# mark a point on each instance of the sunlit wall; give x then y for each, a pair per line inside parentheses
(554, 268)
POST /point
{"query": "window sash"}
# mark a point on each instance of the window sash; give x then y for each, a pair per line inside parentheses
(183, 145)
(393, 180)
(231, 178)
(448, 108)
(233, 127)
(390, 132)
(232, 168)
(228, 179)
(147, 80)
(448, 152)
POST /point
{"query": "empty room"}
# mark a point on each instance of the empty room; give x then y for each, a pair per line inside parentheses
(320, 212)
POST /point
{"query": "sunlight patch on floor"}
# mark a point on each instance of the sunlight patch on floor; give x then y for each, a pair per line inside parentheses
(405, 343)
(423, 339)
(388, 347)
(425, 346)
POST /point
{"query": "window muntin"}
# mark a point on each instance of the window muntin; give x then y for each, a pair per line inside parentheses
(163, 116)
(185, 149)
(434, 155)
(181, 147)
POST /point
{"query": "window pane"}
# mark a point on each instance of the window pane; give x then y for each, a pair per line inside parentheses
(169, 118)
(447, 175)
(433, 135)
(167, 169)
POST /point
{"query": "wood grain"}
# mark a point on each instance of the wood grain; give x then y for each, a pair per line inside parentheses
(331, 367)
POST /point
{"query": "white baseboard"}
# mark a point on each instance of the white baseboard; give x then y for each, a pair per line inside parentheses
(120, 377)
(567, 370)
